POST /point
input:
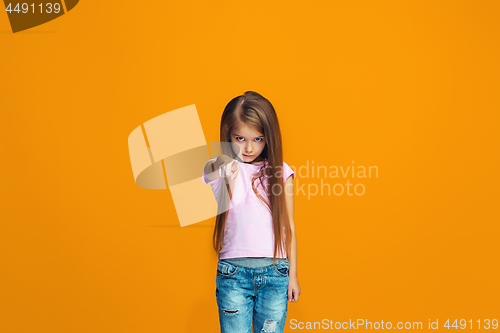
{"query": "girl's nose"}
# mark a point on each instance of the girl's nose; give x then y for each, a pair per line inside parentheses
(248, 149)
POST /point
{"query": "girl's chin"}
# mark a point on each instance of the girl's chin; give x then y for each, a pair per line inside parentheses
(247, 158)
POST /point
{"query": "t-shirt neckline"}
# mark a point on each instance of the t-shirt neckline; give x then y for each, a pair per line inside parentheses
(253, 165)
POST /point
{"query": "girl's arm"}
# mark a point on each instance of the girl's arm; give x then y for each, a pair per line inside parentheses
(293, 283)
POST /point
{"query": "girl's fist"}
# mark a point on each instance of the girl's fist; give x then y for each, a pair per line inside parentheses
(229, 167)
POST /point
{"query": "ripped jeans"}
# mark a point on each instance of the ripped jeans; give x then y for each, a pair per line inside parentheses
(252, 296)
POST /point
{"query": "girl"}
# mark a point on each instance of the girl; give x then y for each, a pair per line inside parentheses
(254, 233)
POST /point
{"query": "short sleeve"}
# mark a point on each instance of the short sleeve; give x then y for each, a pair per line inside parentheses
(203, 173)
(216, 184)
(287, 171)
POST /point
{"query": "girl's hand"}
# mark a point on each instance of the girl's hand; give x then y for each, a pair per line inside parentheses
(228, 168)
(293, 289)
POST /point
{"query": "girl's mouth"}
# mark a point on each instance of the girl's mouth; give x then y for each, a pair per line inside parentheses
(247, 155)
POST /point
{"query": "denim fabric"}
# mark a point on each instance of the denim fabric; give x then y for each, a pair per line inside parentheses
(247, 296)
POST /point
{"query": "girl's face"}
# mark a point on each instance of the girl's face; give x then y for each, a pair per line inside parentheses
(249, 141)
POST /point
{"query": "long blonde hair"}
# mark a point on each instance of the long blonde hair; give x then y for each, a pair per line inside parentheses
(256, 111)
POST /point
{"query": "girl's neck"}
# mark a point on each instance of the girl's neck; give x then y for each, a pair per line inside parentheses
(257, 162)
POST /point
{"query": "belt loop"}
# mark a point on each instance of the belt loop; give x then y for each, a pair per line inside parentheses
(224, 270)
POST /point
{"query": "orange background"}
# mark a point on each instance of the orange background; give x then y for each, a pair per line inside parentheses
(410, 87)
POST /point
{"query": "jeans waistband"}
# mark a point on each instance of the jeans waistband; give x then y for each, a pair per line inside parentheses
(252, 262)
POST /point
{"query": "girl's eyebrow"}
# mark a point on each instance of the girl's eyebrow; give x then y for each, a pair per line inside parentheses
(261, 136)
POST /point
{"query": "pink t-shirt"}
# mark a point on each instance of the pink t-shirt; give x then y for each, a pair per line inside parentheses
(249, 225)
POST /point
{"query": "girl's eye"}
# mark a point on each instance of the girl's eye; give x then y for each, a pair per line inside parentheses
(242, 139)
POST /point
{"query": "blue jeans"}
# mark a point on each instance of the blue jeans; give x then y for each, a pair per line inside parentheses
(247, 296)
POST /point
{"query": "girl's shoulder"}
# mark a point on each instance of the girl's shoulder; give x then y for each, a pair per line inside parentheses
(287, 171)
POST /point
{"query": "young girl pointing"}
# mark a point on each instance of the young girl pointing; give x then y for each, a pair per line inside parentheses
(254, 233)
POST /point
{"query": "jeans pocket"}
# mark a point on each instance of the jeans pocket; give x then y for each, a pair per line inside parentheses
(282, 268)
(226, 269)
